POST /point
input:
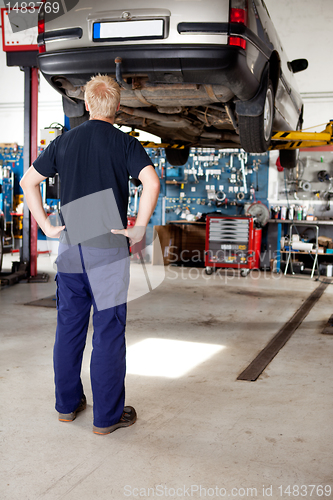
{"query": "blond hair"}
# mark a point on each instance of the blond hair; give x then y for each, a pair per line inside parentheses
(102, 94)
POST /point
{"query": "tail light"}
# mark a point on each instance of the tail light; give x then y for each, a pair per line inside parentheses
(238, 14)
(41, 29)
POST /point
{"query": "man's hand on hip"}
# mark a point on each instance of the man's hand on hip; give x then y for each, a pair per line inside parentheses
(135, 233)
(52, 231)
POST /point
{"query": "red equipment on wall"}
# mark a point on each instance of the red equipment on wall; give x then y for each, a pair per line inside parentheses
(232, 242)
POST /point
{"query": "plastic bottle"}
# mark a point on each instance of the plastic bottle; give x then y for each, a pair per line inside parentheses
(283, 212)
(291, 212)
(305, 211)
(310, 213)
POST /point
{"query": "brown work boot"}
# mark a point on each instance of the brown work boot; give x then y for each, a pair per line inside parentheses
(128, 418)
(69, 417)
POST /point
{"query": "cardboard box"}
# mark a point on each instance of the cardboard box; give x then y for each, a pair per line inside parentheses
(324, 241)
(181, 243)
(193, 243)
(169, 237)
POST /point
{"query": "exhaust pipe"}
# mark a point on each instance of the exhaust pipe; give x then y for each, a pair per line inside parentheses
(119, 77)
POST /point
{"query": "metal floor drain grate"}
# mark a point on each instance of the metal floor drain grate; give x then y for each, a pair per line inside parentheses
(46, 302)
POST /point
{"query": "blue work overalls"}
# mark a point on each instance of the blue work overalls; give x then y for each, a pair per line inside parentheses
(91, 277)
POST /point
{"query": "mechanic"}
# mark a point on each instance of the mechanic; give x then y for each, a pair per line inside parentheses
(94, 161)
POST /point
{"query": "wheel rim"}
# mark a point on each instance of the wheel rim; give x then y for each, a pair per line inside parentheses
(268, 114)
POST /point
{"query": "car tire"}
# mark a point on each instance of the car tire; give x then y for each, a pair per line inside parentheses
(256, 131)
(177, 157)
(78, 120)
(288, 158)
(1, 247)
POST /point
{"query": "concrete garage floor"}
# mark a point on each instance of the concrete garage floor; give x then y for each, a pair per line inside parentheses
(198, 429)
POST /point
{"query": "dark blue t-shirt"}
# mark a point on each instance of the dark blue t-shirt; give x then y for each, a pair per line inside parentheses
(91, 158)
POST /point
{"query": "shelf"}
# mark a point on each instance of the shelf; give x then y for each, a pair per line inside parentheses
(299, 251)
(319, 222)
(305, 253)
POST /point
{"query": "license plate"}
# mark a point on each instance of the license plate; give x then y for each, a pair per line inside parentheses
(128, 30)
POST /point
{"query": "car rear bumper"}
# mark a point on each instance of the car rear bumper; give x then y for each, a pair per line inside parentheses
(211, 64)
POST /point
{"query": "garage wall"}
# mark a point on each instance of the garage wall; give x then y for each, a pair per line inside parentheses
(11, 103)
(304, 27)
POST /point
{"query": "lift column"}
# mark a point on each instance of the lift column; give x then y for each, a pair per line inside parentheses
(21, 51)
(30, 229)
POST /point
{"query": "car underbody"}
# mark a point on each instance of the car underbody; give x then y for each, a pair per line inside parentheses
(205, 116)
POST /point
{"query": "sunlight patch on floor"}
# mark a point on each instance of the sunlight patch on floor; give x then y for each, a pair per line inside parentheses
(167, 358)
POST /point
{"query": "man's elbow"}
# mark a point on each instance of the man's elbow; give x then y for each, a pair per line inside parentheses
(25, 185)
(156, 185)
(22, 184)
(152, 185)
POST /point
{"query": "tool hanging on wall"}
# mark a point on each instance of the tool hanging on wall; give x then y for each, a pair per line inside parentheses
(256, 165)
(243, 159)
(305, 185)
(259, 212)
(323, 176)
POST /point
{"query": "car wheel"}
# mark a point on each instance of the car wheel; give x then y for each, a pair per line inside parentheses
(288, 158)
(177, 157)
(256, 131)
(78, 120)
(1, 248)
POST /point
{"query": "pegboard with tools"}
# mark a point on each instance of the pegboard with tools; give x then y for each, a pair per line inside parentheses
(305, 191)
(11, 196)
(11, 172)
(222, 181)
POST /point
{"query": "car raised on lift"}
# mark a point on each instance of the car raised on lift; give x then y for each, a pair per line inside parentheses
(199, 73)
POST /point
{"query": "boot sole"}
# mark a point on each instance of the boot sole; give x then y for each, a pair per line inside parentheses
(61, 415)
(116, 426)
(107, 430)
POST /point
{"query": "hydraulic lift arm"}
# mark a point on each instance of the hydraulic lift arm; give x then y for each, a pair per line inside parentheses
(299, 139)
(280, 140)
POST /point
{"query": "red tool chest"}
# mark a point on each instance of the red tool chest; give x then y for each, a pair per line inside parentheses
(232, 242)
